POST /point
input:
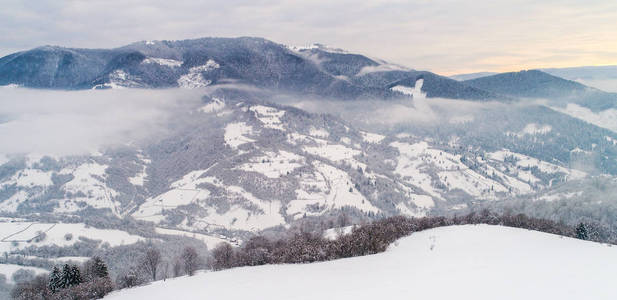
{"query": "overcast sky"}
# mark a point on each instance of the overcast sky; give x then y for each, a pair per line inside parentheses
(442, 36)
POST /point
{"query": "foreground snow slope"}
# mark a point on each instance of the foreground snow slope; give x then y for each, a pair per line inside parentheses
(458, 262)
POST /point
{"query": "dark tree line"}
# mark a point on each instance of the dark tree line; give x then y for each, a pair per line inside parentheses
(366, 239)
(92, 280)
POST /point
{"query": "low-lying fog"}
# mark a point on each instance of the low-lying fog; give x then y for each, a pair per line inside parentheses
(80, 122)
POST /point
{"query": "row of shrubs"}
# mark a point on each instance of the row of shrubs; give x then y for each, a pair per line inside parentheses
(367, 239)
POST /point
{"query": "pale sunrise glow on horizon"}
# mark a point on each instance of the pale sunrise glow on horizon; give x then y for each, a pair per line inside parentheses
(446, 37)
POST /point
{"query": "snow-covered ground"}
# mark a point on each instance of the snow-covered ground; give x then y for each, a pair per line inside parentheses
(525, 161)
(372, 138)
(264, 213)
(328, 187)
(194, 78)
(20, 234)
(417, 160)
(119, 79)
(88, 184)
(235, 134)
(415, 92)
(274, 165)
(210, 241)
(270, 117)
(8, 270)
(457, 262)
(172, 63)
(334, 233)
(89, 181)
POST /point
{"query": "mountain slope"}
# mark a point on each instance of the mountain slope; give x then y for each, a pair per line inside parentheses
(532, 83)
(468, 76)
(55, 67)
(601, 77)
(236, 164)
(316, 70)
(436, 86)
(538, 84)
(465, 259)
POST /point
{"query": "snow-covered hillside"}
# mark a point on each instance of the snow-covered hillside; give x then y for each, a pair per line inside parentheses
(457, 262)
(16, 234)
(279, 166)
(9, 269)
(255, 165)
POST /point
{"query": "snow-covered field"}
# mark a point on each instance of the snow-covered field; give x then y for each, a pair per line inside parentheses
(195, 78)
(8, 270)
(274, 165)
(235, 134)
(172, 63)
(19, 235)
(270, 117)
(210, 241)
(457, 262)
(88, 182)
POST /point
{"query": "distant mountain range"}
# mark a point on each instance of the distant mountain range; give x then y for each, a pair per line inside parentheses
(316, 70)
(538, 84)
(468, 76)
(584, 73)
(241, 162)
(571, 73)
(600, 77)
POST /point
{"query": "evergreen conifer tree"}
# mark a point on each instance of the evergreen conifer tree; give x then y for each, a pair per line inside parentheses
(70, 276)
(582, 232)
(75, 277)
(55, 280)
(100, 267)
(65, 277)
(95, 268)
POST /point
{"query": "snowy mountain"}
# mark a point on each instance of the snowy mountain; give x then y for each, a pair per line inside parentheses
(279, 135)
(238, 165)
(538, 84)
(316, 70)
(566, 96)
(601, 77)
(468, 76)
(466, 259)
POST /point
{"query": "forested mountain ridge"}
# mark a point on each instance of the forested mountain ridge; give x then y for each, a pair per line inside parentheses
(202, 62)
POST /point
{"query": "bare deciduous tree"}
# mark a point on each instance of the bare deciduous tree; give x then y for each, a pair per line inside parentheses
(190, 260)
(177, 268)
(164, 270)
(222, 256)
(151, 262)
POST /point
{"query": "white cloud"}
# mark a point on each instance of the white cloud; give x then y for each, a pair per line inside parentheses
(381, 68)
(80, 122)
